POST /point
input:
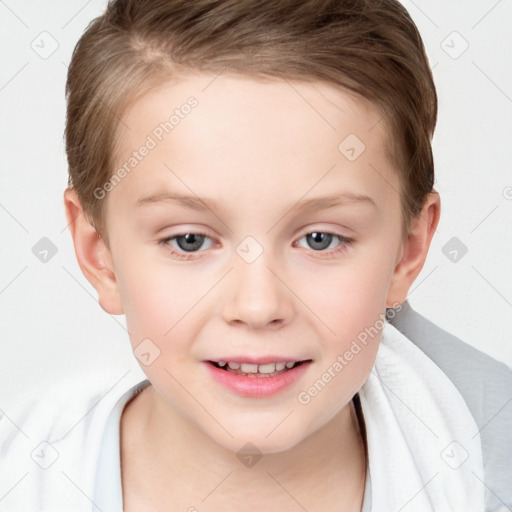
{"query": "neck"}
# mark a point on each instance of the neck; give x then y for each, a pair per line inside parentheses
(177, 459)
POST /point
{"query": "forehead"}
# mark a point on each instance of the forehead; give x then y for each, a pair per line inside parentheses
(253, 139)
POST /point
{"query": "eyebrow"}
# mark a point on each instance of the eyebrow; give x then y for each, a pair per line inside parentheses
(202, 204)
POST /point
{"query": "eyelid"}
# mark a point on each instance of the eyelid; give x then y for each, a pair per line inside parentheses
(334, 231)
(324, 229)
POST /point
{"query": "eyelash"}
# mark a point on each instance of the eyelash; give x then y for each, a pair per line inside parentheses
(345, 242)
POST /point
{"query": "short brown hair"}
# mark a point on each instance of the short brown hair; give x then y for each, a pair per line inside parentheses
(372, 48)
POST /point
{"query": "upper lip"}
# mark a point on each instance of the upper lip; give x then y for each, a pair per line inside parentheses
(257, 360)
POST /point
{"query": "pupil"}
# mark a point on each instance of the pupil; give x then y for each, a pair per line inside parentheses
(319, 238)
(193, 241)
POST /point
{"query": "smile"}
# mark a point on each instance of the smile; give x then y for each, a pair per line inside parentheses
(256, 370)
(256, 380)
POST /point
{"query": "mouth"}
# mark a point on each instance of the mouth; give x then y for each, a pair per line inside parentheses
(251, 370)
(259, 378)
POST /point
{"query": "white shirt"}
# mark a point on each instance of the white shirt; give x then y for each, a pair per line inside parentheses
(59, 450)
(108, 492)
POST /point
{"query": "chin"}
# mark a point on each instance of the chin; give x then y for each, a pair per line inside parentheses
(244, 440)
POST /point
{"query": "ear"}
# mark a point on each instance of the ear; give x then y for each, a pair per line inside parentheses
(414, 250)
(94, 258)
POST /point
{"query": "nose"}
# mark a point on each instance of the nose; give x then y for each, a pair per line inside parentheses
(258, 296)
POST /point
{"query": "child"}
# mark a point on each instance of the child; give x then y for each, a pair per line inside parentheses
(253, 131)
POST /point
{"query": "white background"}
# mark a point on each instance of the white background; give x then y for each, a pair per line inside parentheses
(52, 326)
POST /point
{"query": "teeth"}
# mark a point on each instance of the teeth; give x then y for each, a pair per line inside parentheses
(267, 368)
(254, 368)
(249, 368)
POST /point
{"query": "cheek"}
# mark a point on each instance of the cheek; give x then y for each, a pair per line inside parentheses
(155, 299)
(348, 297)
(353, 306)
(349, 302)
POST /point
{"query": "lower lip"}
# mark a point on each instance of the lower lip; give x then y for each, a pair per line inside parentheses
(257, 387)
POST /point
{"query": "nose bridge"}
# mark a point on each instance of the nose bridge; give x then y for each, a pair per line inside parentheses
(257, 296)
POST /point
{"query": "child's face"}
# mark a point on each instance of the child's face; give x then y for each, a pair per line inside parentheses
(256, 286)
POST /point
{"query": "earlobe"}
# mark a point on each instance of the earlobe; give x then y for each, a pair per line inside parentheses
(414, 251)
(92, 254)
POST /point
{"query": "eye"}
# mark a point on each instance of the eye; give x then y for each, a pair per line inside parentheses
(190, 243)
(187, 242)
(321, 240)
